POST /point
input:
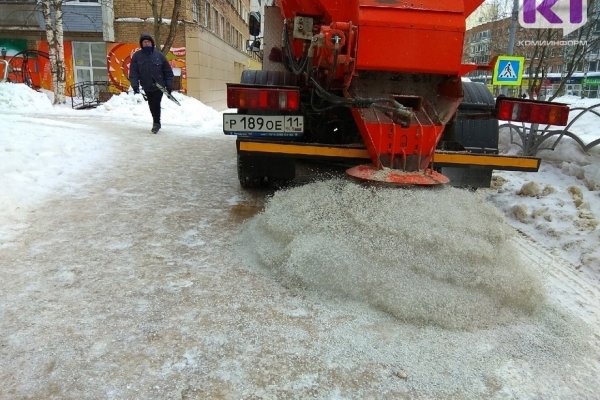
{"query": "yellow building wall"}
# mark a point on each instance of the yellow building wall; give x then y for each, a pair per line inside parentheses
(254, 64)
(211, 64)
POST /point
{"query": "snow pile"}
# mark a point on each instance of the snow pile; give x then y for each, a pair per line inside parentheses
(591, 176)
(19, 97)
(559, 206)
(585, 126)
(41, 157)
(438, 257)
(192, 113)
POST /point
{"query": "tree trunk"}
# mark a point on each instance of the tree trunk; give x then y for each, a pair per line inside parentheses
(56, 53)
(172, 28)
(538, 65)
(48, 25)
(157, 7)
(158, 10)
(60, 59)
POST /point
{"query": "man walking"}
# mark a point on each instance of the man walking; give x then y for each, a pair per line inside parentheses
(148, 67)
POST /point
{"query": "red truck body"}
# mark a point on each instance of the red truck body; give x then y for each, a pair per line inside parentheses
(378, 76)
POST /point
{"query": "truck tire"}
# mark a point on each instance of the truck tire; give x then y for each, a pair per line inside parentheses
(472, 135)
(244, 169)
(256, 171)
(268, 78)
(259, 171)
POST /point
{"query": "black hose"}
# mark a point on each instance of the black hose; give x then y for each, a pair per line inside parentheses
(294, 67)
(382, 103)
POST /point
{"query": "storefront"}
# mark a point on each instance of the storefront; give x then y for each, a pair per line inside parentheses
(85, 62)
(590, 87)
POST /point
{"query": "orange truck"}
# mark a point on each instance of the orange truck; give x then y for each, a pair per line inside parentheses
(377, 86)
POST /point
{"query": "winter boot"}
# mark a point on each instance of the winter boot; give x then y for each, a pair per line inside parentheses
(155, 127)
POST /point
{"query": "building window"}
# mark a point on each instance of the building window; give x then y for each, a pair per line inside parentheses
(215, 21)
(207, 15)
(195, 11)
(89, 61)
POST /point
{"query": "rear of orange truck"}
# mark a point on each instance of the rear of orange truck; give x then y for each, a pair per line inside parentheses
(376, 85)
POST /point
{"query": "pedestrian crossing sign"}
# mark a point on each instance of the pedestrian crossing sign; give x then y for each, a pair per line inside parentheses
(509, 70)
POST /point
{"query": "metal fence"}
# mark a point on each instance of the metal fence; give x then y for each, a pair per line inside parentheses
(534, 138)
(89, 94)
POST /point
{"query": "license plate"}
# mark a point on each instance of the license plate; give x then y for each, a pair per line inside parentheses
(263, 125)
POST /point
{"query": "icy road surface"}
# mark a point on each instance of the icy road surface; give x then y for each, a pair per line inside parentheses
(147, 284)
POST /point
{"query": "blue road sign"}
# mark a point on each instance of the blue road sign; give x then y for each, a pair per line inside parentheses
(509, 70)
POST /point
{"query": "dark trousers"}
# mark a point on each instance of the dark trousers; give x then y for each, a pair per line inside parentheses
(154, 99)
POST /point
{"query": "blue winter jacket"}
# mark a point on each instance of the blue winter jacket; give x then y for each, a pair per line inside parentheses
(146, 68)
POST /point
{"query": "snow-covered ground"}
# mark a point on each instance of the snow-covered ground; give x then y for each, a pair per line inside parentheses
(481, 328)
(558, 207)
(36, 162)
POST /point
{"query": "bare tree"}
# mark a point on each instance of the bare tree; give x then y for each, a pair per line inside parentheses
(53, 23)
(160, 8)
(574, 53)
(539, 57)
(586, 40)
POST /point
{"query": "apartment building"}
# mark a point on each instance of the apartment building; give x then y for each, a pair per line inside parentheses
(100, 36)
(488, 40)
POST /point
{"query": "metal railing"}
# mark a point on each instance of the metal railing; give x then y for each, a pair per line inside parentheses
(89, 94)
(5, 71)
(534, 138)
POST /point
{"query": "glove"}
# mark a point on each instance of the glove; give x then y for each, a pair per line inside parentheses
(136, 90)
(169, 89)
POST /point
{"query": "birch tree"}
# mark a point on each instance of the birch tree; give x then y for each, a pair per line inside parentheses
(53, 23)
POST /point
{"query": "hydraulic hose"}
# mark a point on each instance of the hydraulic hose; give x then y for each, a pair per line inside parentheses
(404, 114)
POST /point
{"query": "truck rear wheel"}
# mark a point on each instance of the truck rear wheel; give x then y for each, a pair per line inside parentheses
(268, 78)
(472, 135)
(244, 169)
(264, 171)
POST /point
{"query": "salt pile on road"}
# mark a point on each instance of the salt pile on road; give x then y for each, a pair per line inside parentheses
(430, 257)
